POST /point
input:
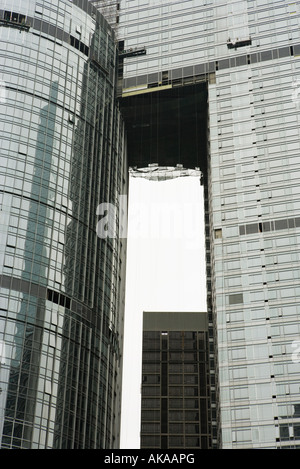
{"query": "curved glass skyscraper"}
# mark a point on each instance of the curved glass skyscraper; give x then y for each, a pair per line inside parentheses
(62, 154)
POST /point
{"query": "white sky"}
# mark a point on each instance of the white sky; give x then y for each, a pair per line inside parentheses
(165, 272)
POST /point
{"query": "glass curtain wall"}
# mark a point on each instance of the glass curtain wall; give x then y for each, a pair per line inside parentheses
(62, 154)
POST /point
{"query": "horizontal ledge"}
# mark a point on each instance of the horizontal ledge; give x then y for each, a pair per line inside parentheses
(141, 90)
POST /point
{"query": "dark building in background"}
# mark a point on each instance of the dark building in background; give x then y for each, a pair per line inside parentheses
(175, 411)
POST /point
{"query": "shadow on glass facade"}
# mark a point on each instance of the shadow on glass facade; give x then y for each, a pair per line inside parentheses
(24, 370)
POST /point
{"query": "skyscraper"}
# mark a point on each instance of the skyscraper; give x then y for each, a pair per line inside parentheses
(212, 84)
(215, 84)
(175, 381)
(62, 154)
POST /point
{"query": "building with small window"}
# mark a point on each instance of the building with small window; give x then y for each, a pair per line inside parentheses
(175, 409)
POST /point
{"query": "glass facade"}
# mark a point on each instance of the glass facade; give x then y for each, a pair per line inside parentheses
(248, 53)
(62, 154)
